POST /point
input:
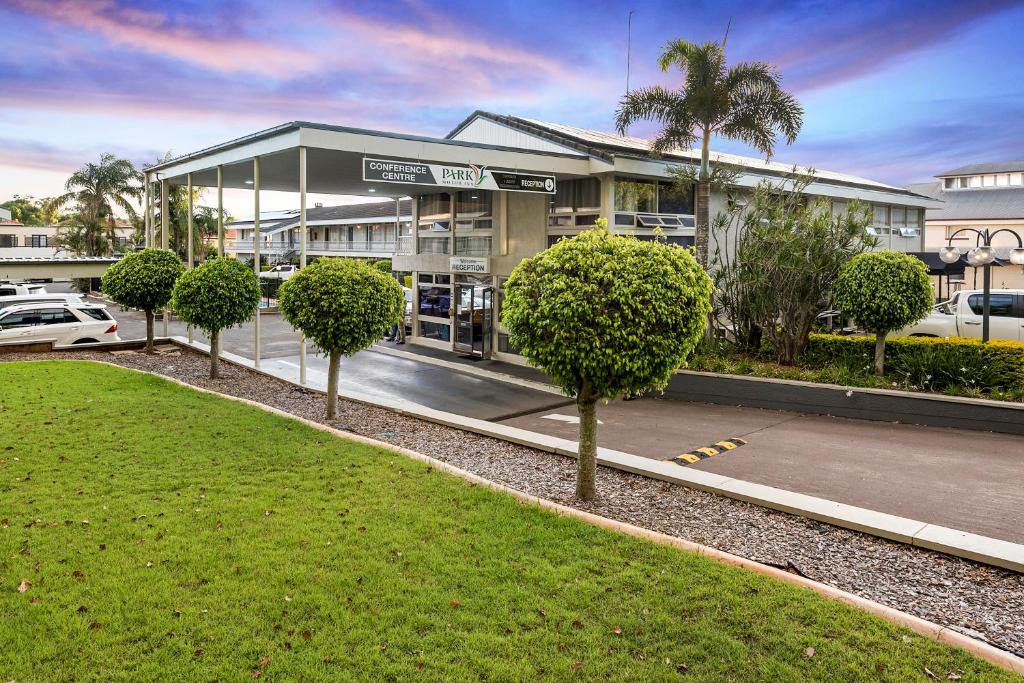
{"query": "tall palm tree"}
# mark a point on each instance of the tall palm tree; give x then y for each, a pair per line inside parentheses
(744, 102)
(97, 190)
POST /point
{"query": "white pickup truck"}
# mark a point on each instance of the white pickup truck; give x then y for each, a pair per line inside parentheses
(961, 316)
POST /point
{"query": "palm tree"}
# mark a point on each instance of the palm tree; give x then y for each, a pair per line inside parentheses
(97, 189)
(744, 102)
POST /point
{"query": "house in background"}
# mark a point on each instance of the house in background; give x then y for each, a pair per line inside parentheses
(981, 196)
(365, 230)
(39, 241)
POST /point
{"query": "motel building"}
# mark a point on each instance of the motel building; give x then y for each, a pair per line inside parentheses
(495, 190)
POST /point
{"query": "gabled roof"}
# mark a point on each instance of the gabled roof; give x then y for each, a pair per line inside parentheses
(605, 145)
(989, 167)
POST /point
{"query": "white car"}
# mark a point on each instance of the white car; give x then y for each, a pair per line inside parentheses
(280, 272)
(21, 288)
(961, 316)
(65, 325)
(20, 299)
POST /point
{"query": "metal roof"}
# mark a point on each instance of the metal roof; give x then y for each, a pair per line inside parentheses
(989, 167)
(973, 203)
(603, 144)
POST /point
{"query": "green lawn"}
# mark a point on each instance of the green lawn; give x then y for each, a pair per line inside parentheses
(171, 535)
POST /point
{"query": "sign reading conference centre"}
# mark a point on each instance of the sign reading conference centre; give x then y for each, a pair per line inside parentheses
(467, 176)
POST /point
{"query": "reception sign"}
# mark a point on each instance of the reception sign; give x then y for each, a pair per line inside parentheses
(467, 176)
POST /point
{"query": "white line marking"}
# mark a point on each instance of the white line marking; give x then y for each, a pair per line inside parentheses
(571, 419)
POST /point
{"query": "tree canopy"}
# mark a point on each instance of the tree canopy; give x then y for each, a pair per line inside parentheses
(883, 291)
(143, 280)
(342, 306)
(605, 315)
(216, 295)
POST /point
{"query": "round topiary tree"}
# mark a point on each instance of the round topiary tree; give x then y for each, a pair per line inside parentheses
(883, 291)
(383, 265)
(143, 280)
(218, 294)
(342, 306)
(605, 315)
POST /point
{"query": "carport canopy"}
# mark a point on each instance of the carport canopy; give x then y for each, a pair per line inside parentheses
(334, 160)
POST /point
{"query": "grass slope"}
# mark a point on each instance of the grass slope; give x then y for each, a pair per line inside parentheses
(169, 534)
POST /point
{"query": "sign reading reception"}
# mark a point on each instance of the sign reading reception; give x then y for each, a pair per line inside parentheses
(468, 176)
(469, 264)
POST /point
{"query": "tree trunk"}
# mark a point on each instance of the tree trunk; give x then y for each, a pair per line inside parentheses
(703, 200)
(214, 355)
(586, 463)
(332, 385)
(879, 354)
(149, 333)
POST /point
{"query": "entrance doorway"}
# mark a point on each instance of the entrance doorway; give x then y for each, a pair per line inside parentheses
(474, 319)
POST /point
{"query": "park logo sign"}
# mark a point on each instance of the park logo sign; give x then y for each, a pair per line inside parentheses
(467, 176)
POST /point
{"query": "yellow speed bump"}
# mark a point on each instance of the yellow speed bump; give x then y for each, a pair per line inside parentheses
(706, 452)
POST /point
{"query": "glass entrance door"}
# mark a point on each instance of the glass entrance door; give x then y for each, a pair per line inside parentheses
(474, 319)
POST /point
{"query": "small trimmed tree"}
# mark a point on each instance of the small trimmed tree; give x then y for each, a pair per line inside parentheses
(342, 306)
(883, 291)
(605, 315)
(143, 280)
(216, 295)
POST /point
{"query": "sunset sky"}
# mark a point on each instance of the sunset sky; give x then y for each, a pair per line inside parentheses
(896, 91)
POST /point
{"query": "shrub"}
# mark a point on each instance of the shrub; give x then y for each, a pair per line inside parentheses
(218, 294)
(383, 265)
(603, 315)
(775, 261)
(342, 306)
(883, 291)
(928, 362)
(144, 280)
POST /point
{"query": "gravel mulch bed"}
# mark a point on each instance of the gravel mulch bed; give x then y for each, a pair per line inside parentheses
(982, 601)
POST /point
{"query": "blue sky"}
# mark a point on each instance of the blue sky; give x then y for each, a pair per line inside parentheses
(895, 91)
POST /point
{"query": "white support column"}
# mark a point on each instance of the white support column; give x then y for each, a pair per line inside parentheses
(145, 211)
(256, 247)
(608, 199)
(164, 237)
(302, 250)
(220, 211)
(191, 238)
(503, 198)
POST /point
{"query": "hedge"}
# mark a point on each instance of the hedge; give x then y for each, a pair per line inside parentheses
(928, 362)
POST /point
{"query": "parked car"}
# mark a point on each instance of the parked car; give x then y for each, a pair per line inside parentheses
(18, 299)
(21, 288)
(961, 316)
(280, 272)
(66, 324)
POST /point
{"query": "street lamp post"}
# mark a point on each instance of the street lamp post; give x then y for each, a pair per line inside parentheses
(983, 254)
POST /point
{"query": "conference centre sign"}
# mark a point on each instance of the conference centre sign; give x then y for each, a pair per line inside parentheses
(463, 176)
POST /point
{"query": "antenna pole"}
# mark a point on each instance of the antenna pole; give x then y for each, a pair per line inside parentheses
(629, 44)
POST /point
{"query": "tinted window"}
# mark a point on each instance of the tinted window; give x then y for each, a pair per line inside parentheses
(96, 313)
(8, 291)
(20, 319)
(999, 304)
(56, 317)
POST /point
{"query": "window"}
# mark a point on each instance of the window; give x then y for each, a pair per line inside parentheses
(673, 200)
(581, 194)
(435, 301)
(432, 330)
(435, 205)
(7, 241)
(950, 229)
(20, 319)
(898, 216)
(38, 241)
(914, 218)
(56, 317)
(964, 182)
(96, 313)
(1000, 305)
(949, 183)
(634, 195)
(472, 204)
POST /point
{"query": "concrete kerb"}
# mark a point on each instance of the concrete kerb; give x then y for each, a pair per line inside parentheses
(954, 542)
(918, 625)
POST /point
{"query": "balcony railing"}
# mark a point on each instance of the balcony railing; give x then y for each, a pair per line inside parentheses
(340, 247)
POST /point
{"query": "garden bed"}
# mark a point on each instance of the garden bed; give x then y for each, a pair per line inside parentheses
(976, 599)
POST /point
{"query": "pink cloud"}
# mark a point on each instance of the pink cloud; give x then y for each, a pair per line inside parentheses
(152, 32)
